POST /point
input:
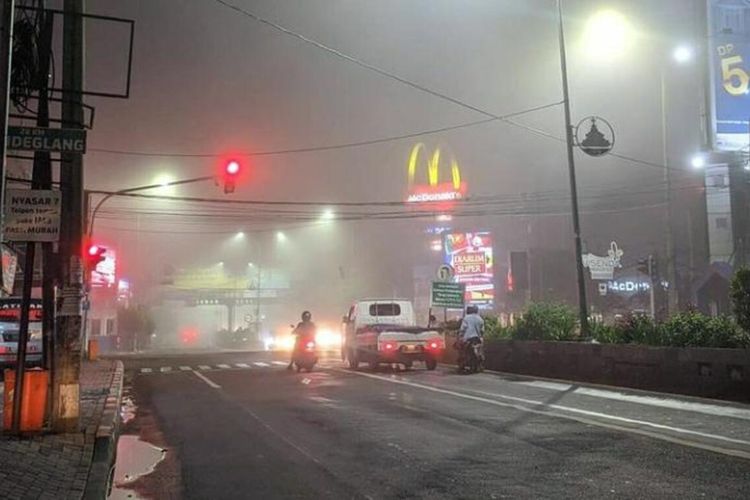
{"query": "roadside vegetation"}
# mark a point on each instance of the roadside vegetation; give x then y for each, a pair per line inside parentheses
(556, 322)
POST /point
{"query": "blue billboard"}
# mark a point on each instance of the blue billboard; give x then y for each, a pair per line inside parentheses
(729, 45)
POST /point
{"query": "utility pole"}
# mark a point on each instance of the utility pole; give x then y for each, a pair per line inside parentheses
(67, 362)
(570, 140)
(6, 55)
(672, 299)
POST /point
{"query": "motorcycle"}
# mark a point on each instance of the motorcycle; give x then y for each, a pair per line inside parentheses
(470, 356)
(305, 355)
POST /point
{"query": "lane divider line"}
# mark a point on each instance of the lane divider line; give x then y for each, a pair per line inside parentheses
(207, 380)
(165, 369)
(224, 366)
(242, 365)
(146, 370)
(591, 421)
(204, 367)
(261, 364)
(185, 368)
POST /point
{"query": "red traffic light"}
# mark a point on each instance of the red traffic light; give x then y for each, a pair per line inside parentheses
(232, 168)
(231, 171)
(94, 255)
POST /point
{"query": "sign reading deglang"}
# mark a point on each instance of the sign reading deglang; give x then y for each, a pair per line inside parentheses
(53, 140)
(470, 255)
(448, 295)
(32, 215)
(729, 45)
(603, 268)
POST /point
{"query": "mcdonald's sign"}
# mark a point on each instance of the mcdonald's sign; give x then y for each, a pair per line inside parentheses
(434, 191)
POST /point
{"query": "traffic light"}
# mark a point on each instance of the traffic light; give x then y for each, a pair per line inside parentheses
(650, 267)
(94, 255)
(231, 171)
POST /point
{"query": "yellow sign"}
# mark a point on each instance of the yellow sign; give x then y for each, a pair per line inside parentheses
(434, 191)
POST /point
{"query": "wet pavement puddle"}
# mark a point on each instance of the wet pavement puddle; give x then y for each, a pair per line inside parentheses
(135, 458)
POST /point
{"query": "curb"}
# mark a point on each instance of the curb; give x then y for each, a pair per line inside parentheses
(101, 473)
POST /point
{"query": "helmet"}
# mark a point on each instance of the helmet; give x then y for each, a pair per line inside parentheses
(472, 310)
(306, 316)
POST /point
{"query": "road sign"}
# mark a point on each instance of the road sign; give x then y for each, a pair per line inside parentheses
(448, 295)
(445, 273)
(32, 215)
(53, 140)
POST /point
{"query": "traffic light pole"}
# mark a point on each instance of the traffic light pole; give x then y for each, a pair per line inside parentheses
(107, 196)
(652, 289)
(6, 52)
(570, 140)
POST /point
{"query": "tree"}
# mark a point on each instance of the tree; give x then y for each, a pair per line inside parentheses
(740, 294)
(136, 325)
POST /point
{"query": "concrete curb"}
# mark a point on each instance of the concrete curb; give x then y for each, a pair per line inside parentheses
(101, 473)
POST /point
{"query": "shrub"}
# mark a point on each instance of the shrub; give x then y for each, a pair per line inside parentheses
(740, 294)
(606, 334)
(546, 322)
(493, 330)
(638, 329)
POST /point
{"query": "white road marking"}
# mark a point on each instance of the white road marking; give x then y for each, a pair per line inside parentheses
(261, 364)
(583, 419)
(185, 368)
(207, 380)
(146, 370)
(242, 365)
(279, 363)
(224, 366)
(204, 367)
(673, 404)
(165, 369)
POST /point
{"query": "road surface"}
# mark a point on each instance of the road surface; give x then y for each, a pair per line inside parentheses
(241, 426)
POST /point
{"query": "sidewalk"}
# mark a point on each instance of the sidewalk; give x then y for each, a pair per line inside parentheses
(68, 466)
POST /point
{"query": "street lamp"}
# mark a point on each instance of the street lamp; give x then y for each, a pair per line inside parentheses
(698, 161)
(607, 35)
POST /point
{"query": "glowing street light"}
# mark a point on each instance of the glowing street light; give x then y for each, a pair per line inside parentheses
(165, 182)
(682, 54)
(280, 237)
(328, 214)
(698, 162)
(607, 35)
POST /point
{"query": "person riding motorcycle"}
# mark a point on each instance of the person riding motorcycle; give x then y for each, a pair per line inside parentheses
(305, 330)
(471, 331)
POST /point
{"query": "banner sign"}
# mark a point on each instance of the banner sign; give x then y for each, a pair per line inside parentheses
(729, 46)
(10, 310)
(603, 268)
(105, 274)
(32, 215)
(448, 295)
(470, 255)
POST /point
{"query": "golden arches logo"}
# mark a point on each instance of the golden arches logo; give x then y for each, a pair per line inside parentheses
(433, 167)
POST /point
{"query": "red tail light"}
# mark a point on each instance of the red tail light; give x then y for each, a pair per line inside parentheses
(388, 346)
(435, 344)
(4, 349)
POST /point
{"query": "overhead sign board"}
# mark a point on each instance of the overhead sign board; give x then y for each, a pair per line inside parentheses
(32, 215)
(53, 140)
(448, 295)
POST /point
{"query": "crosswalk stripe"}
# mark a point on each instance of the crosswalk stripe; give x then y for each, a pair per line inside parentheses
(204, 367)
(165, 369)
(223, 366)
(146, 370)
(261, 364)
(279, 363)
(185, 368)
(242, 365)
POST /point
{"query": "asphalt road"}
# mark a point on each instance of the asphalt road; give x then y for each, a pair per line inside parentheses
(241, 426)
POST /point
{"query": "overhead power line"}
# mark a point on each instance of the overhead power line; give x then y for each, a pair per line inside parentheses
(422, 88)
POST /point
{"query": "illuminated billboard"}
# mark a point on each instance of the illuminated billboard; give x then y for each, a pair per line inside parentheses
(471, 256)
(443, 194)
(729, 47)
(104, 275)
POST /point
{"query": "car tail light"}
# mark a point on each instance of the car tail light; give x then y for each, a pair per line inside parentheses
(4, 349)
(310, 345)
(435, 344)
(388, 346)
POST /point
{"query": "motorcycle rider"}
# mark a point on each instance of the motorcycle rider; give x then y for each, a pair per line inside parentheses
(471, 330)
(305, 329)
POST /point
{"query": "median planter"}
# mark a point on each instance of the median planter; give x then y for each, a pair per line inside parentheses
(712, 373)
